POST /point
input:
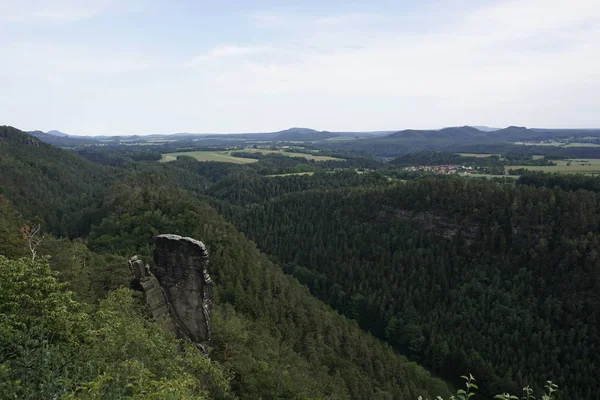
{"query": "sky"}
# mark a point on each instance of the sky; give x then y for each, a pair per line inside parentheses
(108, 67)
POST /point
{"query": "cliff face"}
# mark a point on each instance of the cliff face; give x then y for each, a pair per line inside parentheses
(179, 286)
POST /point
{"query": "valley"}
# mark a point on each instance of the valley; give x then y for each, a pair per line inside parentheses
(408, 257)
(299, 200)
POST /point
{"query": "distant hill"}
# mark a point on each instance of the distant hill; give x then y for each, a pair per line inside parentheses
(515, 133)
(484, 128)
(57, 133)
(61, 139)
(463, 132)
(303, 135)
(454, 139)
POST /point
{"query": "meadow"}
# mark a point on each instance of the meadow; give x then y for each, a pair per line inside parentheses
(291, 154)
(565, 166)
(558, 144)
(225, 156)
(220, 156)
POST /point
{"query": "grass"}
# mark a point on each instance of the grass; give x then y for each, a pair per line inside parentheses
(558, 144)
(582, 145)
(225, 156)
(290, 154)
(220, 156)
(589, 166)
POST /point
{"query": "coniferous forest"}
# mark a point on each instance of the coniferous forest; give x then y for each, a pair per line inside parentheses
(360, 280)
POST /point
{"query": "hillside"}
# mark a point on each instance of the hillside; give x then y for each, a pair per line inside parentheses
(53, 184)
(271, 338)
(459, 274)
(57, 133)
(60, 139)
(464, 133)
(463, 139)
(303, 135)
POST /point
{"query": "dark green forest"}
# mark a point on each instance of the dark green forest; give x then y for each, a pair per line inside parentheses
(66, 336)
(361, 281)
(500, 280)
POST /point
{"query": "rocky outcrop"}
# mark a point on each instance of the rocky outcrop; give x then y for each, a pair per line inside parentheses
(179, 286)
(153, 293)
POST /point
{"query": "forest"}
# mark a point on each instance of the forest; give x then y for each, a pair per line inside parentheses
(383, 284)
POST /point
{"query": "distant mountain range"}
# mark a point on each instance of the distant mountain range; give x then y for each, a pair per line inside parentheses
(409, 138)
(473, 134)
(463, 132)
(303, 135)
(60, 139)
(288, 135)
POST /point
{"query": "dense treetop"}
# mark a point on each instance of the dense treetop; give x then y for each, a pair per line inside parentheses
(360, 273)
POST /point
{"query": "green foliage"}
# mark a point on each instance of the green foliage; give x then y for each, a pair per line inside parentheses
(41, 180)
(243, 190)
(354, 362)
(564, 181)
(459, 275)
(11, 241)
(515, 268)
(471, 388)
(54, 347)
(264, 367)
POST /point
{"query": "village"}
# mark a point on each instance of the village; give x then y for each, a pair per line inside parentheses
(457, 169)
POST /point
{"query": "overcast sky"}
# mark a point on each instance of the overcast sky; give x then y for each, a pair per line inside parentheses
(149, 66)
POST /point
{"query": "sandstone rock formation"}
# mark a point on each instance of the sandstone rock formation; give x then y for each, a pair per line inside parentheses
(179, 286)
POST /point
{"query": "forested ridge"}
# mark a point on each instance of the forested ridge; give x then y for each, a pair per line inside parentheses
(358, 279)
(497, 279)
(80, 332)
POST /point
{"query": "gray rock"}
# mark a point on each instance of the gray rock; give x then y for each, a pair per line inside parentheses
(179, 286)
(181, 270)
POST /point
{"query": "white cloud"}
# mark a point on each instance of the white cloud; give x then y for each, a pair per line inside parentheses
(232, 51)
(225, 53)
(525, 62)
(490, 55)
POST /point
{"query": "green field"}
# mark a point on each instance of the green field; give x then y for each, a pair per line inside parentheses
(290, 154)
(225, 156)
(221, 156)
(558, 144)
(577, 166)
(582, 145)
